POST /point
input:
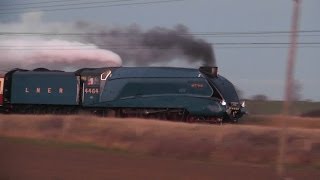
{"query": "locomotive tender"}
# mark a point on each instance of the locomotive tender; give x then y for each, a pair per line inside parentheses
(151, 92)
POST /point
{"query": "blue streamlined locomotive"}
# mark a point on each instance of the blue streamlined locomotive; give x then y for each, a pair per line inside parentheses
(150, 92)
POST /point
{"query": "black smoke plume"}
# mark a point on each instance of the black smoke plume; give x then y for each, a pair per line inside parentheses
(155, 46)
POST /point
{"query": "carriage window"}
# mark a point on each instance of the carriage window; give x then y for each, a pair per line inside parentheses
(105, 75)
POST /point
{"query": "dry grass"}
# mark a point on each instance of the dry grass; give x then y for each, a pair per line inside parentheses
(226, 143)
(277, 120)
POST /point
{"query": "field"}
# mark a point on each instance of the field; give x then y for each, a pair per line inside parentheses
(275, 107)
(252, 143)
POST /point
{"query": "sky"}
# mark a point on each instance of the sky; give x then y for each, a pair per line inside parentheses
(252, 68)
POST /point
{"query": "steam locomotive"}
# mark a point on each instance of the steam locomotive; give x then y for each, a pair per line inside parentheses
(182, 94)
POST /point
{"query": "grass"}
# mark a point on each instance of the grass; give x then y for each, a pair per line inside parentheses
(53, 143)
(275, 107)
(277, 120)
(255, 141)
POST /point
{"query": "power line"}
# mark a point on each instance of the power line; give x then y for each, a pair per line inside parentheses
(98, 6)
(266, 43)
(255, 32)
(165, 49)
(146, 48)
(43, 2)
(195, 33)
(63, 5)
(130, 45)
(257, 35)
(302, 33)
(262, 47)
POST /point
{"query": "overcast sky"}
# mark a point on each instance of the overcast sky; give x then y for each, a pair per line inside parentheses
(254, 69)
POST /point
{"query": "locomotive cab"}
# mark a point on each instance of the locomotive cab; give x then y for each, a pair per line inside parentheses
(93, 81)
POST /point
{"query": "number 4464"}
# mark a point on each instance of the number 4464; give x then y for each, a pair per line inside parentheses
(91, 90)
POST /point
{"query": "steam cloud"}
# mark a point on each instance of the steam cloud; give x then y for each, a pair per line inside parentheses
(98, 46)
(55, 54)
(49, 52)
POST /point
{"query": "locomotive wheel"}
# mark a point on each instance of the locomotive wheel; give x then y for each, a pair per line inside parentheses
(119, 113)
(235, 121)
(192, 119)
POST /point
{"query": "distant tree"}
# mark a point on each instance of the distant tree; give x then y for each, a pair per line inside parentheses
(260, 97)
(296, 91)
(239, 92)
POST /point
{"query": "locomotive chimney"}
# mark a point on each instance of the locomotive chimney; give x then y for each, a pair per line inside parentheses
(208, 70)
